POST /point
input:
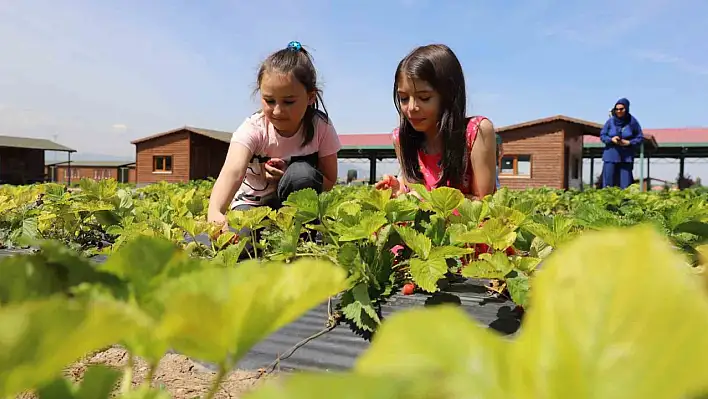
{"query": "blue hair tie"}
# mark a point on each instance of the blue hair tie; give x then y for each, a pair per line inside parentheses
(294, 46)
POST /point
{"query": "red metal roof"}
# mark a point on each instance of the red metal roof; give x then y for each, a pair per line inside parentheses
(689, 135)
(697, 135)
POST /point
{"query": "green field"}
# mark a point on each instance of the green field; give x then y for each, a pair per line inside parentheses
(611, 283)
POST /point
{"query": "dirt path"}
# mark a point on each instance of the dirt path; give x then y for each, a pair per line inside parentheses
(183, 378)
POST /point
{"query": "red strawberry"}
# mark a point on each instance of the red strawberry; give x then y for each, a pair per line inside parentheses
(408, 289)
(510, 251)
(482, 249)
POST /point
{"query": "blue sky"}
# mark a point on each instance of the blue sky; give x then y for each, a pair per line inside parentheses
(98, 74)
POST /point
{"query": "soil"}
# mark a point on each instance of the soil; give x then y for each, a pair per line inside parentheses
(180, 376)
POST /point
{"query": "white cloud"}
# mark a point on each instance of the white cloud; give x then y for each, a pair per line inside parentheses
(678, 62)
(119, 127)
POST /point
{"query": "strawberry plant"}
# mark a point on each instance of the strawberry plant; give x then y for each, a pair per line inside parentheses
(353, 247)
(571, 343)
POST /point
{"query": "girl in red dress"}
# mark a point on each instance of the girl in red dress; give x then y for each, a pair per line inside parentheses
(436, 143)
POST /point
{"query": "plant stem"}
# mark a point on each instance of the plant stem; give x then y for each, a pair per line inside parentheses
(253, 239)
(127, 374)
(151, 373)
(217, 382)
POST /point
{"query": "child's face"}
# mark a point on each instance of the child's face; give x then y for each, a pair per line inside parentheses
(284, 101)
(420, 104)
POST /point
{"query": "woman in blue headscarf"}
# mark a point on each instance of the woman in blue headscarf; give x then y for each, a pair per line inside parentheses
(621, 135)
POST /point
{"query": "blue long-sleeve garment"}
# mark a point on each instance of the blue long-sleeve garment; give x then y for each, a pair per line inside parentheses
(627, 128)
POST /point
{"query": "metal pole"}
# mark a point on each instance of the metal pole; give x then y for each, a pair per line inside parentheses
(68, 184)
(641, 166)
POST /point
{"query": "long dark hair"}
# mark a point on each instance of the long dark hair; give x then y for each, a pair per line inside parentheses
(295, 60)
(437, 65)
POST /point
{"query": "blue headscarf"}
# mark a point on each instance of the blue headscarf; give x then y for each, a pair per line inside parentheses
(627, 118)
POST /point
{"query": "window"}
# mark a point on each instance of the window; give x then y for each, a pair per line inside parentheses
(162, 163)
(100, 174)
(515, 165)
(74, 173)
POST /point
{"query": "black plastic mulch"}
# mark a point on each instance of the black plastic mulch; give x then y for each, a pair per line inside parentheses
(339, 348)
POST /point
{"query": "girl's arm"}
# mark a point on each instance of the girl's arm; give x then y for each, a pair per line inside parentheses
(484, 160)
(328, 165)
(605, 133)
(403, 187)
(638, 135)
(229, 180)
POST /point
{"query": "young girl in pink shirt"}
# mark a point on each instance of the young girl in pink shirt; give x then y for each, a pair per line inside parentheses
(287, 146)
(435, 142)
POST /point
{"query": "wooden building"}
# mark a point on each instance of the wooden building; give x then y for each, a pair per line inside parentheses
(545, 152)
(62, 172)
(180, 155)
(22, 159)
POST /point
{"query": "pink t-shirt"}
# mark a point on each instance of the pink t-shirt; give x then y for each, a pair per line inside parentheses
(261, 138)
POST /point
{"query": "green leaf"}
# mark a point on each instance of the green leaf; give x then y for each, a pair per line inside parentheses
(441, 343)
(349, 386)
(472, 212)
(426, 273)
(39, 338)
(489, 266)
(146, 263)
(369, 224)
(55, 269)
(306, 202)
(230, 255)
(694, 227)
(539, 249)
(418, 243)
(421, 191)
(224, 239)
(436, 230)
(237, 307)
(494, 233)
(526, 264)
(377, 199)
(256, 217)
(518, 286)
(59, 388)
(349, 208)
(98, 383)
(510, 216)
(145, 392)
(499, 261)
(598, 330)
(284, 217)
(348, 257)
(356, 306)
(361, 295)
(444, 200)
(401, 210)
(28, 231)
(449, 252)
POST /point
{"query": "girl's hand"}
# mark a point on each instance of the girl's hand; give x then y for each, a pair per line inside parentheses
(391, 182)
(624, 142)
(275, 168)
(218, 218)
(616, 140)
